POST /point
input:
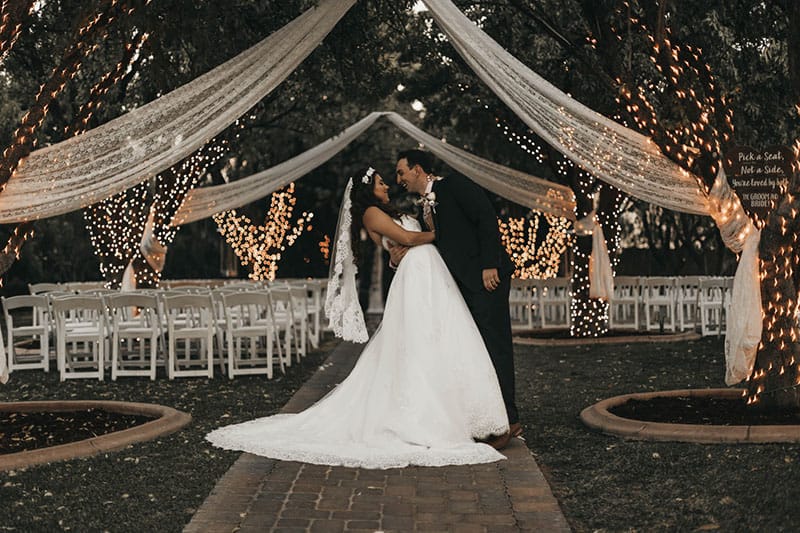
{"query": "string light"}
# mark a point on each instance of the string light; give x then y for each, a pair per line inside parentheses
(14, 14)
(325, 248)
(260, 248)
(696, 139)
(532, 260)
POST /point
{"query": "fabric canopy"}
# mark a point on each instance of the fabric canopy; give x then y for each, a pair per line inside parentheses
(524, 189)
(619, 156)
(138, 145)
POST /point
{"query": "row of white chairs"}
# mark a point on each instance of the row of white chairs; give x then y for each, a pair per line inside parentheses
(252, 326)
(680, 303)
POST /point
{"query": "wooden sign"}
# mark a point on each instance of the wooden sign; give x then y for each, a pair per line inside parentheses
(760, 177)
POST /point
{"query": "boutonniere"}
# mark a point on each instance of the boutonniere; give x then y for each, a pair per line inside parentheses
(429, 199)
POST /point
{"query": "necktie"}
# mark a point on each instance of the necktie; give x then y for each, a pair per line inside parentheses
(427, 215)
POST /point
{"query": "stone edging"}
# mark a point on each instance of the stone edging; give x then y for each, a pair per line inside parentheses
(598, 417)
(167, 420)
(628, 339)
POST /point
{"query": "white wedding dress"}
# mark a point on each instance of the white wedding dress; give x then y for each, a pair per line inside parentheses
(422, 389)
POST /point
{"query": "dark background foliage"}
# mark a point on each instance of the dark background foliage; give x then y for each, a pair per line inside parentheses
(379, 45)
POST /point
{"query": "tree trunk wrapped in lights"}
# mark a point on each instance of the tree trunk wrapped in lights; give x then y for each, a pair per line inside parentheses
(92, 30)
(775, 381)
(589, 317)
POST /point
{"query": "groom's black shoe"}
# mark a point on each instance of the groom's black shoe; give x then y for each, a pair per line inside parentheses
(501, 441)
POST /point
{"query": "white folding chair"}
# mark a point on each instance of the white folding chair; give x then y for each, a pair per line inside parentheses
(554, 302)
(32, 323)
(135, 321)
(624, 304)
(84, 286)
(314, 303)
(521, 303)
(248, 316)
(299, 295)
(80, 319)
(190, 317)
(687, 288)
(658, 295)
(41, 288)
(284, 320)
(712, 301)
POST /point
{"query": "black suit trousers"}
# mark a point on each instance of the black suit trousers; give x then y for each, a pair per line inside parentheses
(491, 313)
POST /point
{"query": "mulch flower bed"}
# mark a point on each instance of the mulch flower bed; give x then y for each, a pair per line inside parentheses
(701, 410)
(564, 334)
(31, 431)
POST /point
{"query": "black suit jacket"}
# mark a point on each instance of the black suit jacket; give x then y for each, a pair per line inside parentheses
(467, 235)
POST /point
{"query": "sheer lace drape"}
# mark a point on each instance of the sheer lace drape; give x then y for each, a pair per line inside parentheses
(524, 189)
(138, 145)
(617, 155)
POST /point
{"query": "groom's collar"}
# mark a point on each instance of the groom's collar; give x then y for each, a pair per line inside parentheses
(429, 186)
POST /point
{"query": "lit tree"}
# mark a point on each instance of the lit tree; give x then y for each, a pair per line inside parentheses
(260, 248)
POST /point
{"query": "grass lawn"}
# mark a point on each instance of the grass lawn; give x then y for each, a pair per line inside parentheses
(609, 484)
(603, 483)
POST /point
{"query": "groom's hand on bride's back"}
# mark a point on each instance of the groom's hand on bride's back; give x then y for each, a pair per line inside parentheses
(396, 254)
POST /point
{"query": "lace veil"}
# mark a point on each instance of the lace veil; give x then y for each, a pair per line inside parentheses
(341, 303)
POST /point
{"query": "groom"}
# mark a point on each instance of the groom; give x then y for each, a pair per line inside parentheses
(468, 240)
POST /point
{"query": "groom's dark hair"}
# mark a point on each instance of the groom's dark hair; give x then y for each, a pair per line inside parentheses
(417, 157)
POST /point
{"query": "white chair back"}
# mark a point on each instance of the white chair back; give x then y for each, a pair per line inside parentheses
(27, 319)
(80, 320)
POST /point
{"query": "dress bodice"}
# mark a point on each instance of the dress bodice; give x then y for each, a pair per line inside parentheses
(407, 222)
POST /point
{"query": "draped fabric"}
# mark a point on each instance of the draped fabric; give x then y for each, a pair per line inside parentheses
(536, 193)
(619, 156)
(524, 189)
(113, 157)
(744, 321)
(729, 215)
(153, 251)
(601, 275)
(204, 202)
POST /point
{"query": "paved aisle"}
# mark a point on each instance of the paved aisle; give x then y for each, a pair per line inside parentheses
(259, 494)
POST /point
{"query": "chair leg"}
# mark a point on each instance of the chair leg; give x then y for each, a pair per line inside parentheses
(171, 356)
(230, 356)
(153, 355)
(210, 351)
(114, 356)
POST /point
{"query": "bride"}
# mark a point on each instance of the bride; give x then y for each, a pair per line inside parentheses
(424, 386)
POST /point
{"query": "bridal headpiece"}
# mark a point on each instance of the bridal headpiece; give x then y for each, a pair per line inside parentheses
(341, 303)
(367, 177)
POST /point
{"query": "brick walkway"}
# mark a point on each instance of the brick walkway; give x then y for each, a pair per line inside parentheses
(259, 494)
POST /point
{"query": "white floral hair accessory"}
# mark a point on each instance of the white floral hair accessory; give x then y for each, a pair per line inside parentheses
(367, 178)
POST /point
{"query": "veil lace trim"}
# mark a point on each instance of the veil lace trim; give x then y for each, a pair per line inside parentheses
(341, 302)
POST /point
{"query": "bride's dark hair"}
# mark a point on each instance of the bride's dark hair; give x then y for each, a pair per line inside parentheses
(362, 196)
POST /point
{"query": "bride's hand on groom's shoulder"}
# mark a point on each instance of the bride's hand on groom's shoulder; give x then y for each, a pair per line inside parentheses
(396, 254)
